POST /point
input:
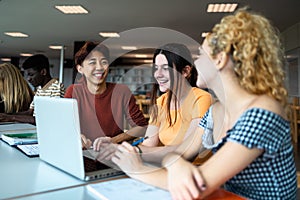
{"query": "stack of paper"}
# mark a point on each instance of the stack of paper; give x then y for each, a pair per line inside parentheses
(127, 188)
(23, 136)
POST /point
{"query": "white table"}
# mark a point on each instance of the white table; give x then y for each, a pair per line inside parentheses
(21, 176)
(77, 193)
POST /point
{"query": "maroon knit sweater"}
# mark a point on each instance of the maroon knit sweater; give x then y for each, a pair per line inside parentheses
(104, 114)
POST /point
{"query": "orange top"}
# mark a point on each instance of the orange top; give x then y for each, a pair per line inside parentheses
(194, 106)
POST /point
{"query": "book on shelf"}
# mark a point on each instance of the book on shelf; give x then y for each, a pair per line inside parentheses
(20, 138)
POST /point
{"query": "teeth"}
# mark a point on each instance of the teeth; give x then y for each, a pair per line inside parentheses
(162, 82)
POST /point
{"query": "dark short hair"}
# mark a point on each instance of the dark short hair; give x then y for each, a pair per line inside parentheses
(37, 62)
(87, 48)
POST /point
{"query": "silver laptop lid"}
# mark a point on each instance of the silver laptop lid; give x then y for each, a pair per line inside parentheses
(58, 129)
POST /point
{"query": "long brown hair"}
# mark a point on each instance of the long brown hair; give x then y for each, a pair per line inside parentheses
(178, 56)
(14, 90)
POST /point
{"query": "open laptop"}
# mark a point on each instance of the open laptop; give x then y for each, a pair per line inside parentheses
(59, 140)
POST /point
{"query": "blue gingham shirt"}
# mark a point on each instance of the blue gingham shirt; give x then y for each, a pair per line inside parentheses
(273, 174)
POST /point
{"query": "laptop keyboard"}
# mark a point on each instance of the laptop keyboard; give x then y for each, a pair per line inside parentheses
(91, 165)
(29, 149)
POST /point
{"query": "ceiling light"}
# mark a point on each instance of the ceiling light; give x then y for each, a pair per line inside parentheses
(78, 9)
(222, 7)
(6, 59)
(148, 61)
(26, 54)
(109, 34)
(129, 47)
(141, 56)
(16, 34)
(291, 56)
(55, 47)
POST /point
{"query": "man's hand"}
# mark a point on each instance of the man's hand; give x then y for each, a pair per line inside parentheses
(85, 142)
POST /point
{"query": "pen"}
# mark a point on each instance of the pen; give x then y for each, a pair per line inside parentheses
(139, 141)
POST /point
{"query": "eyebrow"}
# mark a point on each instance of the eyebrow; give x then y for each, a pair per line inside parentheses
(100, 59)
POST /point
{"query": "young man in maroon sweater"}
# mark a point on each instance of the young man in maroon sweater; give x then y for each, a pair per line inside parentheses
(102, 105)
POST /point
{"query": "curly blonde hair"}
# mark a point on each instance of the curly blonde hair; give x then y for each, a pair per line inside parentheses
(14, 90)
(256, 50)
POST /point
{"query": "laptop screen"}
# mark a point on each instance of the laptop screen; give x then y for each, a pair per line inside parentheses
(58, 129)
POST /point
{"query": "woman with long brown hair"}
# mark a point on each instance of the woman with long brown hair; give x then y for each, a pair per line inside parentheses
(15, 92)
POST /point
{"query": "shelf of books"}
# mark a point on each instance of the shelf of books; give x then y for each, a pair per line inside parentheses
(137, 78)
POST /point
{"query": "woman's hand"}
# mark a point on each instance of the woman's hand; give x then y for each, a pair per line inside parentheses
(184, 180)
(107, 151)
(127, 158)
(100, 142)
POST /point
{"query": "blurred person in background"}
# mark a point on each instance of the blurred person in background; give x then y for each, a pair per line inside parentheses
(15, 93)
(37, 72)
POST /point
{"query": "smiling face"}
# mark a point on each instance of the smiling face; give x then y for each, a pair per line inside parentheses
(162, 74)
(95, 69)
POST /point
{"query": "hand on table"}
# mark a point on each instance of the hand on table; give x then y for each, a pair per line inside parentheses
(184, 180)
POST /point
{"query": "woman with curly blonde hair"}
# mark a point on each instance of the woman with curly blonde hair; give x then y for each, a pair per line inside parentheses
(247, 128)
(15, 93)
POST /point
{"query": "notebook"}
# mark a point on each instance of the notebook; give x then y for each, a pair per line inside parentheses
(58, 129)
(12, 128)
